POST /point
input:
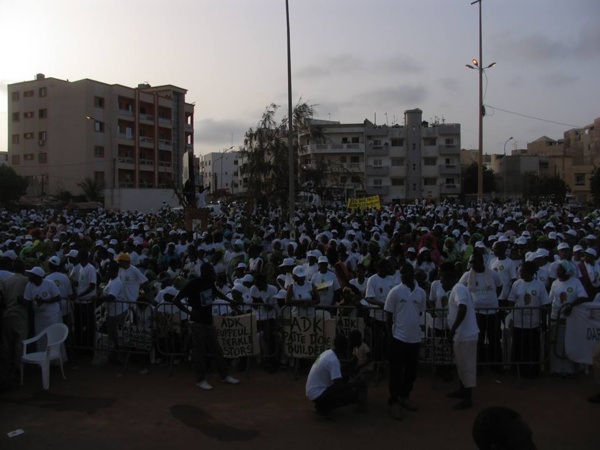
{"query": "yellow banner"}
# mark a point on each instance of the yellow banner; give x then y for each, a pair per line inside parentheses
(364, 203)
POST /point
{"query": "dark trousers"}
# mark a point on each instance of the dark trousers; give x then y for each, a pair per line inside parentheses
(526, 349)
(268, 329)
(204, 338)
(404, 359)
(378, 340)
(339, 395)
(489, 327)
(84, 327)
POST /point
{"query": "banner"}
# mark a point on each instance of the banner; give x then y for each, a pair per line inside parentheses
(364, 203)
(344, 325)
(237, 335)
(307, 337)
(582, 333)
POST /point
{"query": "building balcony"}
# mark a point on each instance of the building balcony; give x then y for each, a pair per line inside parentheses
(448, 150)
(126, 113)
(125, 137)
(377, 131)
(333, 148)
(164, 122)
(189, 147)
(379, 171)
(146, 164)
(125, 161)
(189, 128)
(126, 184)
(165, 166)
(146, 141)
(377, 150)
(449, 169)
(164, 144)
(377, 190)
(446, 189)
(146, 118)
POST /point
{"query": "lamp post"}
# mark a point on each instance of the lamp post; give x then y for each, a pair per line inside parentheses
(479, 66)
(504, 166)
(292, 194)
(114, 158)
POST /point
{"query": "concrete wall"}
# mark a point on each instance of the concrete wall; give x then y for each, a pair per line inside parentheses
(142, 200)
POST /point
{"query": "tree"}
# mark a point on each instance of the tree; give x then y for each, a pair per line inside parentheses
(470, 176)
(265, 154)
(12, 186)
(545, 189)
(595, 186)
(92, 189)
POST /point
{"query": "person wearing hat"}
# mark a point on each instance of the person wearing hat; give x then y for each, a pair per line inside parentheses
(264, 304)
(200, 293)
(15, 317)
(44, 296)
(590, 273)
(311, 266)
(131, 277)
(326, 284)
(301, 295)
(117, 307)
(285, 278)
(505, 268)
(63, 284)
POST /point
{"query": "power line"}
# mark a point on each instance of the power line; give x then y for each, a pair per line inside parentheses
(532, 117)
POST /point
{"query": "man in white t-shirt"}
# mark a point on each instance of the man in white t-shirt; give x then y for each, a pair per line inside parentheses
(326, 284)
(326, 386)
(464, 333)
(84, 308)
(404, 306)
(131, 277)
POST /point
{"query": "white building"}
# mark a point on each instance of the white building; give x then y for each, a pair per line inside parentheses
(221, 170)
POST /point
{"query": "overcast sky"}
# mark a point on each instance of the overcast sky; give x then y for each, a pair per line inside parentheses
(353, 59)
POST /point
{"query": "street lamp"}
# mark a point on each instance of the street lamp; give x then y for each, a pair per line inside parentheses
(478, 65)
(292, 194)
(504, 166)
(114, 158)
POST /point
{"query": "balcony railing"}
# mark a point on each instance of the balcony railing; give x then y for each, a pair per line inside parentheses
(125, 136)
(146, 140)
(125, 160)
(448, 149)
(449, 188)
(333, 148)
(126, 184)
(147, 117)
(377, 190)
(125, 112)
(165, 144)
(377, 171)
(147, 162)
(449, 169)
(378, 150)
(164, 121)
(166, 164)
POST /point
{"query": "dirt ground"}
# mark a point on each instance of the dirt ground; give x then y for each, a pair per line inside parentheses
(95, 408)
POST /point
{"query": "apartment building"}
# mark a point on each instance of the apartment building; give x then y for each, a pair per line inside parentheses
(221, 171)
(62, 132)
(400, 162)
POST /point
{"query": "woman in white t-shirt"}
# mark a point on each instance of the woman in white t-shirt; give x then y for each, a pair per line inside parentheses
(528, 296)
(301, 295)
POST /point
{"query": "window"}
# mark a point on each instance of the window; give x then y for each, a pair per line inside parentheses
(579, 179)
(15, 117)
(397, 162)
(15, 96)
(377, 163)
(99, 176)
(28, 115)
(99, 102)
(355, 140)
(15, 138)
(429, 181)
(344, 140)
(28, 157)
(235, 162)
(98, 151)
(355, 179)
(42, 158)
(429, 161)
(42, 135)
(43, 113)
(377, 142)
(449, 181)
(414, 166)
(414, 146)
(28, 93)
(397, 142)
(343, 180)
(377, 182)
(99, 126)
(42, 92)
(343, 159)
(16, 160)
(429, 141)
(449, 141)
(397, 181)
(354, 159)
(28, 135)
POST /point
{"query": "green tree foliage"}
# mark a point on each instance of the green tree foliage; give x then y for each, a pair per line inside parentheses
(595, 186)
(265, 154)
(12, 186)
(92, 189)
(469, 178)
(544, 189)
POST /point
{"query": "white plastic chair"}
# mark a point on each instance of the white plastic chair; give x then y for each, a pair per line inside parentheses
(55, 334)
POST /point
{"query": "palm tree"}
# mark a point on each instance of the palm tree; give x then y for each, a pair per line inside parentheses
(92, 189)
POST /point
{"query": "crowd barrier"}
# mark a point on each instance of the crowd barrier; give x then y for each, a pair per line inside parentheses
(574, 336)
(508, 336)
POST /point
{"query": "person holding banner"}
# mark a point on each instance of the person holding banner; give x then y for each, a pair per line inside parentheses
(596, 361)
(200, 293)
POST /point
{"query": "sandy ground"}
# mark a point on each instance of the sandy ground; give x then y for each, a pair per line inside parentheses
(94, 408)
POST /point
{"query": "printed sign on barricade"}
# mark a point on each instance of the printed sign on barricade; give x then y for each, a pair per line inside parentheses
(133, 337)
(166, 322)
(582, 333)
(307, 337)
(344, 325)
(364, 203)
(436, 351)
(237, 335)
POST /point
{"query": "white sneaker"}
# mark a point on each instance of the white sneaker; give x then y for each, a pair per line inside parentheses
(230, 380)
(204, 385)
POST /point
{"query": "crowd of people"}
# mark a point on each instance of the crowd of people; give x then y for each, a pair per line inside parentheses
(471, 271)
